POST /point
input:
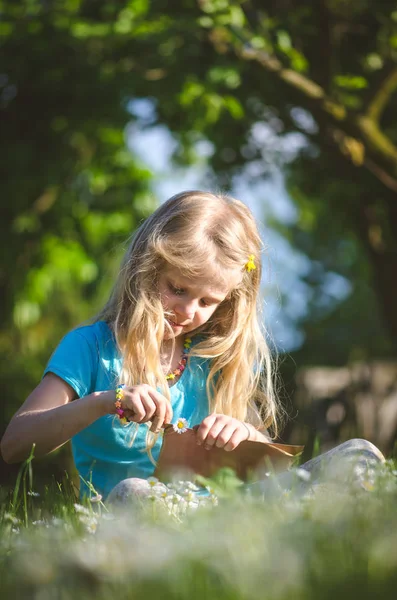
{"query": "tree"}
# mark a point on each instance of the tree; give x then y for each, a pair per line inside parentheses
(71, 191)
(327, 71)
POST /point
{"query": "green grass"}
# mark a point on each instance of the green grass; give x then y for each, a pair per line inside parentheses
(333, 541)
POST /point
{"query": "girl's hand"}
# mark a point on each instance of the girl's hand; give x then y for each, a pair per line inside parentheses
(223, 432)
(142, 403)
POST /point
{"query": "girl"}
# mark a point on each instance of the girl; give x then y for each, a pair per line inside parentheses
(189, 283)
(186, 296)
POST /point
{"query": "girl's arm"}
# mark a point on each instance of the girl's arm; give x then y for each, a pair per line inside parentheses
(49, 418)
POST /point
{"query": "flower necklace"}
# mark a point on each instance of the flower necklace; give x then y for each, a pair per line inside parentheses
(182, 363)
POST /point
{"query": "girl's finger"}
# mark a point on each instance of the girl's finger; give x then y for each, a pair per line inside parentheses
(149, 406)
(134, 404)
(204, 428)
(129, 415)
(225, 435)
(235, 438)
(158, 417)
(213, 434)
(163, 412)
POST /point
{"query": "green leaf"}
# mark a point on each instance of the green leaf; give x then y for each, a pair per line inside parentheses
(234, 107)
(351, 82)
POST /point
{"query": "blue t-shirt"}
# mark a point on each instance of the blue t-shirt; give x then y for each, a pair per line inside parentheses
(88, 359)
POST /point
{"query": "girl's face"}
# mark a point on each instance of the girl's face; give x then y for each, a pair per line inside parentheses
(190, 302)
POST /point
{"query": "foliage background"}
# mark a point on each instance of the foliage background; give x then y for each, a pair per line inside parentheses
(224, 73)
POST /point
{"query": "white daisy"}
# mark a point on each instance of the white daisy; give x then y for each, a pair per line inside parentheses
(368, 485)
(90, 523)
(192, 486)
(303, 474)
(152, 481)
(97, 498)
(11, 518)
(81, 509)
(40, 522)
(181, 425)
(190, 496)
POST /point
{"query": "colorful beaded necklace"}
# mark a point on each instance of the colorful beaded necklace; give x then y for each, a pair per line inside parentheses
(182, 363)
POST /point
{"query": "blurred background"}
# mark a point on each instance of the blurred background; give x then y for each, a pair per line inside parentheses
(109, 108)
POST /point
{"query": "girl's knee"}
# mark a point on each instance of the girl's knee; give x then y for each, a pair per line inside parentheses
(129, 489)
(359, 447)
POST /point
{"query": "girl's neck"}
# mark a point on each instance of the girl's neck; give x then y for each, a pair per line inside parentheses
(171, 359)
(167, 351)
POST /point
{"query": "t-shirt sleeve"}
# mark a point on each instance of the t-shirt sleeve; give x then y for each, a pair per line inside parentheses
(75, 360)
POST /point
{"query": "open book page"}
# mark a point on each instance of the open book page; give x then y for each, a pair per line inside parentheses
(180, 453)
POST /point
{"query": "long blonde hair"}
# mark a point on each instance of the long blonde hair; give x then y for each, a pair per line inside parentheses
(202, 235)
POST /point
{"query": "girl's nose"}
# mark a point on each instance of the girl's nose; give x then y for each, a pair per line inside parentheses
(186, 309)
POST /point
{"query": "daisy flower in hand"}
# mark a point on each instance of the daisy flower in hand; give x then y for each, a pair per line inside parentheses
(181, 425)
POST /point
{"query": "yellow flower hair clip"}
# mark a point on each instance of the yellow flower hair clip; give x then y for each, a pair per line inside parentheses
(250, 265)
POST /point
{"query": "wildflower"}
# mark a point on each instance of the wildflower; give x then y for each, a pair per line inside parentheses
(192, 486)
(40, 522)
(11, 518)
(303, 474)
(82, 510)
(89, 522)
(152, 481)
(214, 500)
(250, 265)
(34, 494)
(189, 496)
(175, 505)
(368, 485)
(176, 499)
(181, 425)
(91, 526)
(95, 499)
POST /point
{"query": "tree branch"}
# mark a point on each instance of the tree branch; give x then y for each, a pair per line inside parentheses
(376, 142)
(272, 63)
(380, 174)
(355, 151)
(382, 96)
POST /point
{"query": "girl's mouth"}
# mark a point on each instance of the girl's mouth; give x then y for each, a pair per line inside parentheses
(173, 323)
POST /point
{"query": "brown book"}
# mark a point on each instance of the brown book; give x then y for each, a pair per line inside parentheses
(181, 454)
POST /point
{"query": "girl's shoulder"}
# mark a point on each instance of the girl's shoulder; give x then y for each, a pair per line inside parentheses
(97, 335)
(95, 338)
(99, 330)
(78, 356)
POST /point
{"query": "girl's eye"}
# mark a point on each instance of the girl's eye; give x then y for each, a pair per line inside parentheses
(204, 302)
(175, 290)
